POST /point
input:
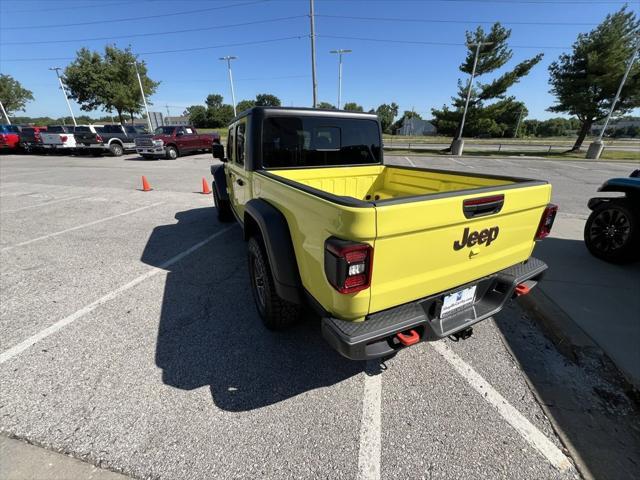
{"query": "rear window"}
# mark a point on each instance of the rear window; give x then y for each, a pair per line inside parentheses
(82, 129)
(319, 141)
(28, 130)
(56, 129)
(110, 129)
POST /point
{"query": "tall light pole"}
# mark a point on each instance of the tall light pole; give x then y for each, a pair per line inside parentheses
(4, 112)
(340, 52)
(595, 149)
(458, 144)
(515, 133)
(144, 98)
(313, 54)
(233, 93)
(64, 91)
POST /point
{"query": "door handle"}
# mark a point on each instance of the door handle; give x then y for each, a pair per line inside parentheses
(239, 182)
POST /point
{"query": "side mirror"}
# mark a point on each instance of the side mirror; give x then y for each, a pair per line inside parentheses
(218, 152)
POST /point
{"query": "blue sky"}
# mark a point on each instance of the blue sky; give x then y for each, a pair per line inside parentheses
(275, 57)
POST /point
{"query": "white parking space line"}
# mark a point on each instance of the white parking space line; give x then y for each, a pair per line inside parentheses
(84, 225)
(44, 204)
(370, 426)
(523, 426)
(460, 162)
(410, 161)
(60, 324)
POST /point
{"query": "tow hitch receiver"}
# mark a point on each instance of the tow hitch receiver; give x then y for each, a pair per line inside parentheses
(407, 339)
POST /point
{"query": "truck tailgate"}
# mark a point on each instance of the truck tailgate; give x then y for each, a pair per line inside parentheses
(431, 244)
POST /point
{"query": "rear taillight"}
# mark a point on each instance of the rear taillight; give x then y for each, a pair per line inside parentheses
(98, 138)
(348, 265)
(63, 138)
(546, 222)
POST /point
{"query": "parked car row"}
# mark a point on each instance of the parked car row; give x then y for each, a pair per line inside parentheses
(167, 141)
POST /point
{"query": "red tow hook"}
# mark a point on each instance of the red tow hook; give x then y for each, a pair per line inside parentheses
(408, 339)
(522, 289)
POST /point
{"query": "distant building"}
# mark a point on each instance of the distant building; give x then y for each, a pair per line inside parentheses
(616, 124)
(416, 127)
(183, 120)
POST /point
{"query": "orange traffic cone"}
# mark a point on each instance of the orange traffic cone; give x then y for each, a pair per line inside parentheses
(205, 187)
(145, 185)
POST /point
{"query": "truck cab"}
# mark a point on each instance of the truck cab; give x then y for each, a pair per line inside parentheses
(387, 255)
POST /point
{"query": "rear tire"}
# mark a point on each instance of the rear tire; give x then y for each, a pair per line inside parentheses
(223, 207)
(612, 232)
(116, 149)
(171, 153)
(276, 313)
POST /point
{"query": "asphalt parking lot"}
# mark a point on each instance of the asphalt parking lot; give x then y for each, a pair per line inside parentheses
(129, 339)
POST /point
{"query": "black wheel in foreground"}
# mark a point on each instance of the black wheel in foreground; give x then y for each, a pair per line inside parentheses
(171, 153)
(116, 149)
(276, 313)
(223, 207)
(612, 232)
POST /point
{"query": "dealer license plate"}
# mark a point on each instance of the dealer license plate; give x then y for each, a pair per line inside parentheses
(457, 300)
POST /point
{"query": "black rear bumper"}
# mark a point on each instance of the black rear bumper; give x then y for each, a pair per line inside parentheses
(376, 336)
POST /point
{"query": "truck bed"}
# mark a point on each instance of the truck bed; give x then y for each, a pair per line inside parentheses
(418, 221)
(383, 182)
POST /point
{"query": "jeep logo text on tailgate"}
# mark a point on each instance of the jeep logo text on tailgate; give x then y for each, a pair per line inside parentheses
(487, 236)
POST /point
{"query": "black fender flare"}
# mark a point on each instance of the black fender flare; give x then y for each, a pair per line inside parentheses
(220, 181)
(274, 230)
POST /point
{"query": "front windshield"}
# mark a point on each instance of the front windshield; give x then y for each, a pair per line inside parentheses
(164, 130)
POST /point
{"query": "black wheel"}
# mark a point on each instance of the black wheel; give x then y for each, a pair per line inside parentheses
(223, 207)
(171, 153)
(116, 149)
(276, 313)
(612, 232)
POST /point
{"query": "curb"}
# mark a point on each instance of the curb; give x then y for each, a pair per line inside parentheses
(573, 342)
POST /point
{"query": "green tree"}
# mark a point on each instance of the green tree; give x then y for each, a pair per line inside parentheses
(326, 106)
(245, 105)
(197, 116)
(585, 81)
(12, 94)
(108, 81)
(493, 55)
(267, 100)
(353, 107)
(386, 114)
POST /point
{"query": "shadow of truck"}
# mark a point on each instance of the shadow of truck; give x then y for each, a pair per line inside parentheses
(210, 333)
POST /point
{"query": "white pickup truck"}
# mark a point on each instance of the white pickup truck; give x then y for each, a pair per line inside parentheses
(62, 138)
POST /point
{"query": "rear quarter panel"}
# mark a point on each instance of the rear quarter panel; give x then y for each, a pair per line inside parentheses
(311, 221)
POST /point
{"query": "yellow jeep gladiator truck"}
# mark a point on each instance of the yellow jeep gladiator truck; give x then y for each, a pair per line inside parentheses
(387, 255)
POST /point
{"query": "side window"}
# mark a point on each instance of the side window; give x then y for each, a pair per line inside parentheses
(240, 143)
(180, 131)
(230, 145)
(188, 131)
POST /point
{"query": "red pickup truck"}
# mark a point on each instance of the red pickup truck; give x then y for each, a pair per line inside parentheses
(172, 141)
